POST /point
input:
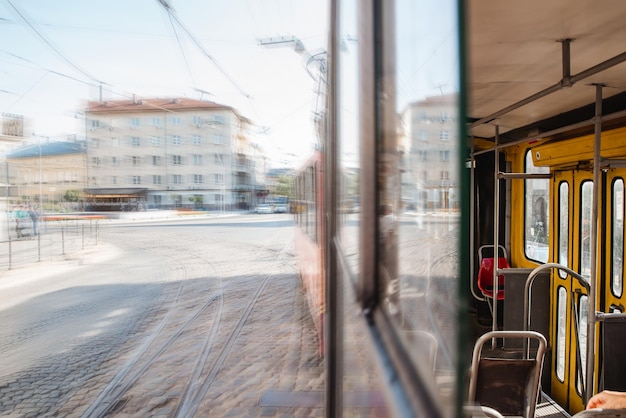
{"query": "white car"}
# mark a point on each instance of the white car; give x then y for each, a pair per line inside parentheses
(264, 208)
(280, 209)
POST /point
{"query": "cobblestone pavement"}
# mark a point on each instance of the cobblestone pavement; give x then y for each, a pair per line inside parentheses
(221, 336)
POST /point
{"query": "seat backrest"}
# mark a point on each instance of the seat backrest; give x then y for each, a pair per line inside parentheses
(485, 274)
(510, 386)
(505, 384)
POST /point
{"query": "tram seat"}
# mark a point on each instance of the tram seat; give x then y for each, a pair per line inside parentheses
(508, 385)
(485, 272)
(613, 364)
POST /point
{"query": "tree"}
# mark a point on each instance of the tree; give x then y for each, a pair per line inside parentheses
(284, 186)
(71, 195)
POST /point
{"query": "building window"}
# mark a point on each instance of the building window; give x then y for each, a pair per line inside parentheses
(136, 179)
(134, 123)
(218, 119)
(95, 123)
(115, 161)
(197, 179)
(135, 141)
(136, 160)
(115, 142)
(156, 179)
(177, 179)
(156, 122)
(444, 155)
(197, 120)
(444, 175)
(177, 159)
(156, 141)
(176, 121)
(444, 135)
(156, 160)
(197, 159)
(218, 139)
(219, 159)
(114, 180)
(197, 140)
(176, 140)
(219, 178)
(95, 161)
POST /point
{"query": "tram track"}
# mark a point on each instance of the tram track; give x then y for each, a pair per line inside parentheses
(118, 394)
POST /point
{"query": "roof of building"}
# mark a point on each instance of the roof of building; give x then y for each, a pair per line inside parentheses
(48, 149)
(155, 104)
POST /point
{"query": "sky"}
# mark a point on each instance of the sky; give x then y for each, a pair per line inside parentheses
(62, 53)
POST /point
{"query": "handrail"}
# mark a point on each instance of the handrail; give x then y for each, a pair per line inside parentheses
(588, 383)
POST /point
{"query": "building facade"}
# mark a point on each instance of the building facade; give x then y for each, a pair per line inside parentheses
(430, 172)
(170, 153)
(47, 175)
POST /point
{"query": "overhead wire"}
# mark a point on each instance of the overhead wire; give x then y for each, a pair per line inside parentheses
(182, 51)
(56, 50)
(191, 36)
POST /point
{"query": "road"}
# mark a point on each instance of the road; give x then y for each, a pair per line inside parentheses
(142, 323)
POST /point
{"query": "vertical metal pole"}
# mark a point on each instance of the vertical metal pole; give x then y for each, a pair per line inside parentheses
(10, 249)
(496, 230)
(594, 279)
(333, 322)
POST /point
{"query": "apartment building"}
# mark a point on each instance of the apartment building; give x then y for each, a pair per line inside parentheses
(170, 153)
(428, 140)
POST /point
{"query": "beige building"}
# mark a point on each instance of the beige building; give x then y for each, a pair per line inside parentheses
(430, 164)
(42, 174)
(170, 153)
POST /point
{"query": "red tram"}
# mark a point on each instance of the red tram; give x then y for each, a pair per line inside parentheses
(309, 238)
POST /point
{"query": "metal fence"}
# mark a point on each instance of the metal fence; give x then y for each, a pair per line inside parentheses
(20, 245)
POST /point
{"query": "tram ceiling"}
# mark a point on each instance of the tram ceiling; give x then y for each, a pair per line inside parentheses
(533, 65)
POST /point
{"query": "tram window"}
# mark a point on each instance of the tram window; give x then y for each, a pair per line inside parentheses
(536, 215)
(617, 227)
(582, 339)
(348, 144)
(586, 202)
(563, 226)
(561, 334)
(418, 215)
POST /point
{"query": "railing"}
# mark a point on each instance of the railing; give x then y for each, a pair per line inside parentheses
(55, 239)
(587, 383)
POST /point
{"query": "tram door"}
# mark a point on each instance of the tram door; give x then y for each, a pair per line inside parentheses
(573, 201)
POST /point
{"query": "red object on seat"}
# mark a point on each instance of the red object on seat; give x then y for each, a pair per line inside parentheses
(485, 276)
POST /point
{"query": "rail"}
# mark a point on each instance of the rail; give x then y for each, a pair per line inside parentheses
(51, 238)
(588, 381)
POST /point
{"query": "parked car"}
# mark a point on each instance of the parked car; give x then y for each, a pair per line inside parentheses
(280, 208)
(264, 208)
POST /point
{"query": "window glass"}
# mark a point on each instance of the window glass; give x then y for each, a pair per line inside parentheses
(418, 200)
(586, 202)
(582, 339)
(537, 226)
(563, 226)
(617, 259)
(561, 334)
(349, 166)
